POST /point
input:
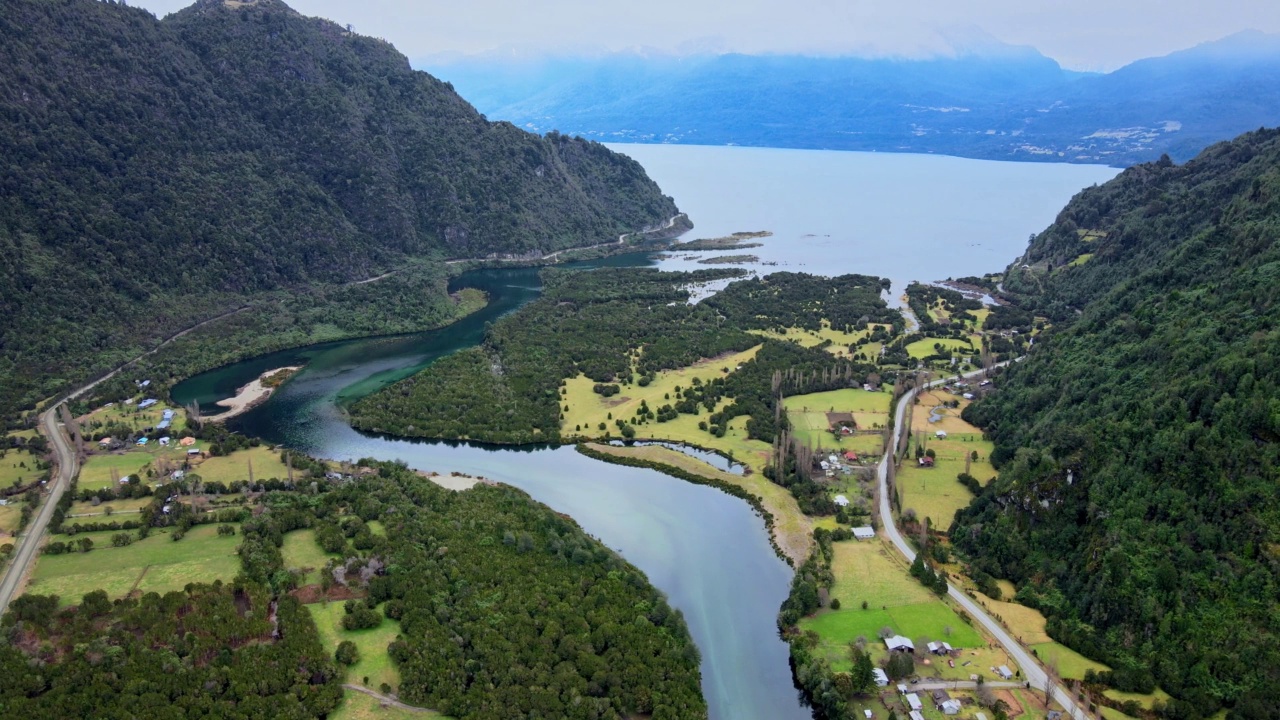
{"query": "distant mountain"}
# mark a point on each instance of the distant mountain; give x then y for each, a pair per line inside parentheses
(158, 172)
(1003, 103)
(1138, 501)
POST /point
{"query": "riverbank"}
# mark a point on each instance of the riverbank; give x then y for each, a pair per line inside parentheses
(253, 394)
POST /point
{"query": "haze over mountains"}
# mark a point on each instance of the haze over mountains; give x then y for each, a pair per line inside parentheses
(997, 102)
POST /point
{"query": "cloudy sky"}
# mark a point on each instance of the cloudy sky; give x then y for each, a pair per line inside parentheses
(1080, 34)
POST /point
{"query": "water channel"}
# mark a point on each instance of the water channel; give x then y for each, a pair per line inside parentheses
(831, 212)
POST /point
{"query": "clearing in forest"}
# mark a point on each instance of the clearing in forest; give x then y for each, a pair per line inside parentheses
(839, 339)
(934, 492)
(810, 418)
(201, 556)
(371, 643)
(587, 410)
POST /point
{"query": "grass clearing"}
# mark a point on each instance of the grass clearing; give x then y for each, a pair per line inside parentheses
(921, 349)
(1070, 663)
(358, 706)
(12, 470)
(588, 410)
(10, 516)
(1146, 701)
(156, 564)
(300, 552)
(1026, 624)
(932, 620)
(28, 434)
(1086, 257)
(131, 417)
(372, 644)
(840, 340)
(233, 467)
(82, 511)
(809, 422)
(96, 472)
(865, 570)
(792, 529)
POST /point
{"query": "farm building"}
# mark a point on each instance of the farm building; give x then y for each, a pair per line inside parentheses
(898, 642)
(866, 532)
(940, 648)
(1004, 672)
(146, 403)
(913, 701)
(882, 680)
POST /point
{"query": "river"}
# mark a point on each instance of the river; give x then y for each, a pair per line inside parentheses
(830, 212)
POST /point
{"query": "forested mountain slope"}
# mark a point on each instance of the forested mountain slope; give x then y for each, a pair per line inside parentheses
(156, 172)
(1138, 502)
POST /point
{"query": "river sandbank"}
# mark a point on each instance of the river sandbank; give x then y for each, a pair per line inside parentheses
(251, 395)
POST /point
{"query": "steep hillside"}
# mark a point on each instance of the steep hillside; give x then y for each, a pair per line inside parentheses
(1138, 502)
(157, 172)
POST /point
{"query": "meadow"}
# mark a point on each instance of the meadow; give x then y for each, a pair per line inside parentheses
(358, 706)
(935, 492)
(808, 417)
(96, 473)
(374, 663)
(587, 410)
(12, 470)
(301, 552)
(154, 564)
(840, 340)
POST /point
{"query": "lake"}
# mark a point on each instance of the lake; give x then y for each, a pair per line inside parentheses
(899, 216)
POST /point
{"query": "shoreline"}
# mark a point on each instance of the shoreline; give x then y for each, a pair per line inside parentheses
(249, 396)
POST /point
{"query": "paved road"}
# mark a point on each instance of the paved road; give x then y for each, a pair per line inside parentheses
(28, 543)
(1031, 669)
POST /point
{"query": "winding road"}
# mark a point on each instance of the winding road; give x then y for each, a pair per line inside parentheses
(29, 541)
(1031, 669)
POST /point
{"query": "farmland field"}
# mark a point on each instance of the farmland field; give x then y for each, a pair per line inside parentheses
(374, 662)
(588, 409)
(233, 467)
(924, 348)
(11, 471)
(808, 417)
(301, 551)
(155, 564)
(1070, 663)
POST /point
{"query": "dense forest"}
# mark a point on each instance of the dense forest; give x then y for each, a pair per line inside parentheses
(1138, 502)
(622, 326)
(161, 172)
(508, 610)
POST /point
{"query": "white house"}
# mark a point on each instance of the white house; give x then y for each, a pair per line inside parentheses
(882, 680)
(913, 701)
(1004, 672)
(864, 533)
(941, 434)
(842, 501)
(951, 707)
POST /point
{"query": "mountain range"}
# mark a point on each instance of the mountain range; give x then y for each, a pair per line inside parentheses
(1001, 103)
(160, 172)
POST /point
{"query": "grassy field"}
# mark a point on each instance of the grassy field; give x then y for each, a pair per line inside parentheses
(792, 529)
(155, 564)
(96, 472)
(865, 571)
(28, 434)
(358, 706)
(86, 512)
(229, 468)
(9, 516)
(301, 551)
(588, 410)
(934, 492)
(1145, 700)
(11, 471)
(1026, 624)
(924, 348)
(1070, 663)
(374, 662)
(808, 417)
(840, 340)
(131, 416)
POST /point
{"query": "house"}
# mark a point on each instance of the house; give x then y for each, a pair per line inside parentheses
(163, 425)
(902, 689)
(193, 451)
(913, 701)
(851, 456)
(146, 403)
(124, 480)
(867, 714)
(882, 680)
(842, 501)
(967, 396)
(984, 383)
(187, 441)
(950, 707)
(941, 434)
(165, 441)
(1004, 672)
(866, 532)
(846, 430)
(926, 461)
(104, 442)
(178, 474)
(947, 649)
(142, 441)
(144, 383)
(940, 696)
(940, 648)
(167, 414)
(129, 401)
(897, 642)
